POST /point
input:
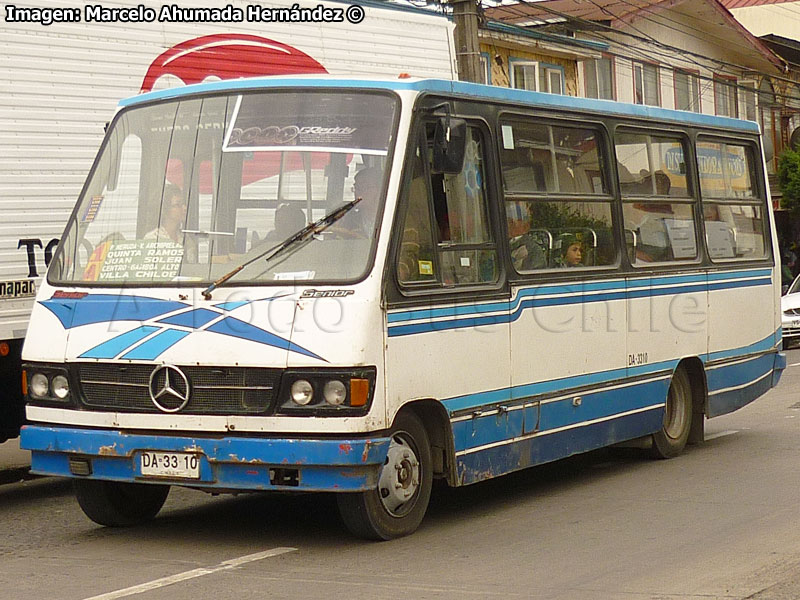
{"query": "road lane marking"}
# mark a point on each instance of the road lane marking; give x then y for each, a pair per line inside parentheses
(171, 579)
(795, 365)
(714, 436)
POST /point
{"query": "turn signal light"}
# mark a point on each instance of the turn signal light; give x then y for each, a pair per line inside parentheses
(359, 392)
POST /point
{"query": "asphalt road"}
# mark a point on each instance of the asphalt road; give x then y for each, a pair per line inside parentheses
(720, 521)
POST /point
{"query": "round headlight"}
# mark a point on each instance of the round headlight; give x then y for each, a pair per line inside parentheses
(335, 392)
(302, 392)
(60, 387)
(39, 385)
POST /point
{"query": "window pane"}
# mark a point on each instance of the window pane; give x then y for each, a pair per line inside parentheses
(555, 82)
(731, 177)
(605, 79)
(461, 209)
(686, 91)
(591, 77)
(416, 259)
(651, 166)
(749, 102)
(469, 266)
(725, 99)
(734, 231)
(549, 235)
(544, 158)
(525, 76)
(638, 84)
(652, 95)
(659, 232)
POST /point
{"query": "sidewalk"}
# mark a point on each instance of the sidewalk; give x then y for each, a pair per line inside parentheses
(12, 458)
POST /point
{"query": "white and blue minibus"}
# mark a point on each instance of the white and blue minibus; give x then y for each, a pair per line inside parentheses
(359, 286)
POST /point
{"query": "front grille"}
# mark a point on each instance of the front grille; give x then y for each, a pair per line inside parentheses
(214, 390)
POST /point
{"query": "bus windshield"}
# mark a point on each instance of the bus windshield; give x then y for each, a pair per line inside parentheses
(185, 190)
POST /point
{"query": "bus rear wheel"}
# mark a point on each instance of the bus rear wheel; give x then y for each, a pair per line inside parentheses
(397, 505)
(671, 440)
(116, 504)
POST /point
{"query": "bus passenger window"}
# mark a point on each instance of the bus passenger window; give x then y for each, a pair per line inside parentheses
(537, 157)
(733, 213)
(658, 207)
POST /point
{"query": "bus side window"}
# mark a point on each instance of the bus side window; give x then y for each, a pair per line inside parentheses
(446, 234)
(467, 251)
(415, 261)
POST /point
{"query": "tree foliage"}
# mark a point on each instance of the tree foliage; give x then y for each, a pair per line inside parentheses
(789, 180)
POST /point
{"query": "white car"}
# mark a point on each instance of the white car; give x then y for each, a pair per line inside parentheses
(790, 308)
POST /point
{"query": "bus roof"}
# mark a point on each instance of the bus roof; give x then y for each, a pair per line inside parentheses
(458, 88)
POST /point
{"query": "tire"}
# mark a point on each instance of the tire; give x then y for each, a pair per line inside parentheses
(397, 505)
(115, 504)
(671, 440)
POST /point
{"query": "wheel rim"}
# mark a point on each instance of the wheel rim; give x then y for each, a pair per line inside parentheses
(676, 412)
(400, 477)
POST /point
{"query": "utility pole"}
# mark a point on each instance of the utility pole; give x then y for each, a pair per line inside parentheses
(465, 17)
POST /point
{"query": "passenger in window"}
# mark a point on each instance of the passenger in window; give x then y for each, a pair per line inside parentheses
(173, 216)
(367, 186)
(359, 222)
(172, 221)
(569, 251)
(289, 219)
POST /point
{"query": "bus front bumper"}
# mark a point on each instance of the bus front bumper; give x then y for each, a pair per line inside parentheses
(224, 463)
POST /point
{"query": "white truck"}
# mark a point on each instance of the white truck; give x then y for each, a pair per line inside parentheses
(64, 68)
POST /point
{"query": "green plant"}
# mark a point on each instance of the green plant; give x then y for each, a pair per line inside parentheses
(789, 180)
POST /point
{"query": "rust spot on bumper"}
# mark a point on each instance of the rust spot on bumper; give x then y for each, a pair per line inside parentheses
(108, 450)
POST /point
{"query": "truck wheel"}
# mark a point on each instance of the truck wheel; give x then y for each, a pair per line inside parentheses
(115, 504)
(397, 505)
(671, 440)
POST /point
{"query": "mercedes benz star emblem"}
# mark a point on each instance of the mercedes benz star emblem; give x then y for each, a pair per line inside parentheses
(169, 388)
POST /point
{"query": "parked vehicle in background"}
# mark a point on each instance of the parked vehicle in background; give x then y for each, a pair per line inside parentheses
(790, 309)
(65, 79)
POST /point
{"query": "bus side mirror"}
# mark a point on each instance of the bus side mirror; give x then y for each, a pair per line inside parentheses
(449, 145)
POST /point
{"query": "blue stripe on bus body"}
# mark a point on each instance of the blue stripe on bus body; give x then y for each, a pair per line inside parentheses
(493, 428)
(725, 402)
(112, 347)
(535, 302)
(560, 289)
(155, 346)
(613, 376)
(540, 449)
(738, 372)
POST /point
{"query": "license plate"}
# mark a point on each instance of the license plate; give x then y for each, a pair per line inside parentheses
(182, 465)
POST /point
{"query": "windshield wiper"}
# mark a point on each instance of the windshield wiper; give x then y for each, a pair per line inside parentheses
(273, 251)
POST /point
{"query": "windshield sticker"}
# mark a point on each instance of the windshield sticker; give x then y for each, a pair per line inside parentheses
(294, 275)
(311, 121)
(91, 209)
(141, 259)
(425, 267)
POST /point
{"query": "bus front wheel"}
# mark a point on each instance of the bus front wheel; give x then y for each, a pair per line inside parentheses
(397, 505)
(671, 440)
(116, 504)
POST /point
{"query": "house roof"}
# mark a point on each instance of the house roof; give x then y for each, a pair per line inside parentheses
(729, 4)
(716, 20)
